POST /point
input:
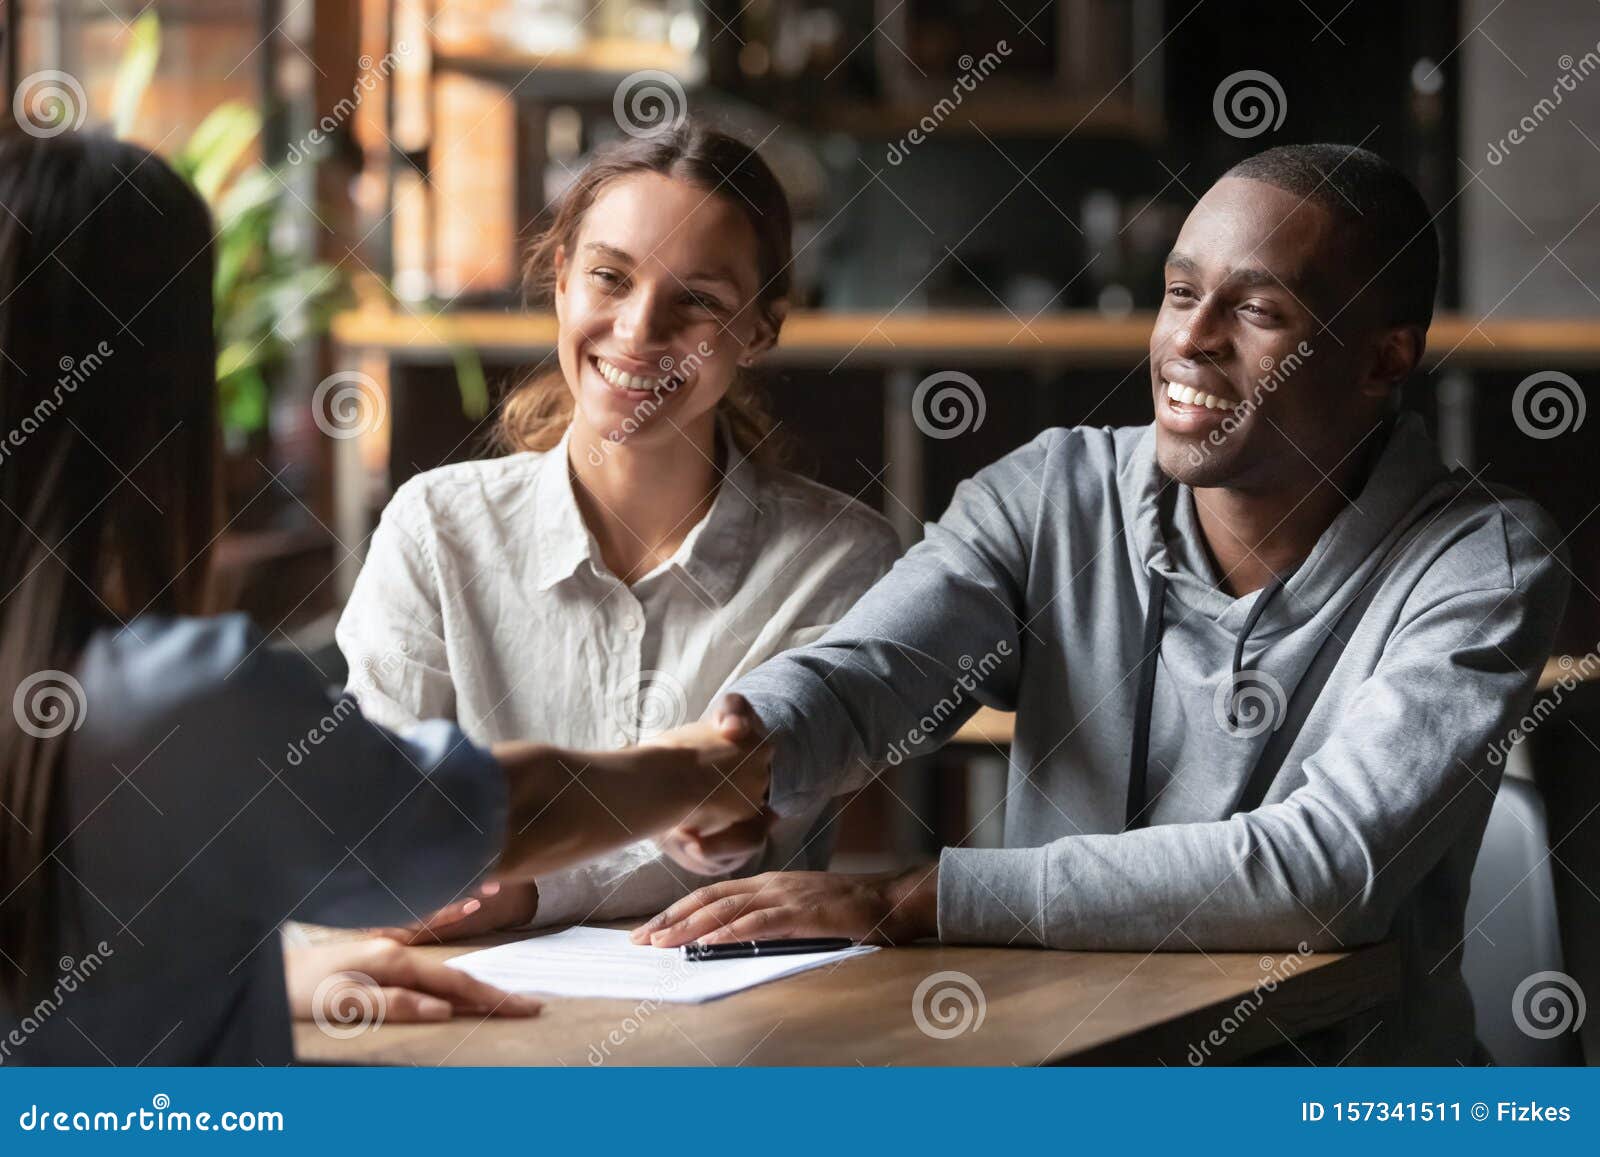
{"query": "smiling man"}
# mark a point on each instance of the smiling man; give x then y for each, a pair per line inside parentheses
(1257, 649)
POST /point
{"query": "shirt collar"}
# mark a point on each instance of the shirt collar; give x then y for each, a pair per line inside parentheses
(714, 555)
(560, 534)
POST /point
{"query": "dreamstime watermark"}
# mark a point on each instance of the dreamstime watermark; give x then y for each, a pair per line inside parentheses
(1274, 374)
(656, 699)
(159, 1118)
(1249, 704)
(675, 374)
(649, 101)
(1547, 1004)
(344, 707)
(631, 1024)
(348, 404)
(973, 72)
(947, 404)
(372, 671)
(367, 82)
(74, 372)
(947, 1004)
(1573, 72)
(1547, 404)
(973, 673)
(347, 1004)
(1277, 972)
(48, 703)
(1249, 103)
(1573, 674)
(72, 974)
(49, 103)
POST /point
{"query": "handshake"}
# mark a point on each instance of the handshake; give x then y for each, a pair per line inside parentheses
(727, 828)
(699, 790)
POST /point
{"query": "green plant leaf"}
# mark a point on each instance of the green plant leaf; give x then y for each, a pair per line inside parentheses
(241, 250)
(265, 301)
(217, 145)
(254, 189)
(470, 382)
(134, 70)
(243, 397)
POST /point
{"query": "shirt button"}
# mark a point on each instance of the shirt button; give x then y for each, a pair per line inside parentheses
(630, 623)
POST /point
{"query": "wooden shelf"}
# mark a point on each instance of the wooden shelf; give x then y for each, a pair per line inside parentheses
(1572, 669)
(987, 727)
(606, 58)
(992, 337)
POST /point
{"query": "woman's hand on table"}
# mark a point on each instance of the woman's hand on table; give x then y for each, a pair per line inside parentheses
(327, 982)
(493, 907)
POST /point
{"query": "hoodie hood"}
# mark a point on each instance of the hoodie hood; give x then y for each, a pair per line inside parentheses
(1407, 482)
(1293, 613)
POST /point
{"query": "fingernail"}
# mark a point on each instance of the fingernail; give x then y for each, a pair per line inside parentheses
(470, 907)
(433, 1008)
(527, 1004)
(490, 889)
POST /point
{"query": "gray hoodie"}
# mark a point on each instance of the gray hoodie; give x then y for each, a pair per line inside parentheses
(1316, 764)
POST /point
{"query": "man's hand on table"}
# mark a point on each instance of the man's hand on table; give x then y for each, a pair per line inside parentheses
(895, 908)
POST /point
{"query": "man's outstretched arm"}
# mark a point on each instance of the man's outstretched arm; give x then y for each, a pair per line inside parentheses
(934, 639)
(1390, 792)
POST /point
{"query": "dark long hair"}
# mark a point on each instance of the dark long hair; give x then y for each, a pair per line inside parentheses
(107, 453)
(536, 412)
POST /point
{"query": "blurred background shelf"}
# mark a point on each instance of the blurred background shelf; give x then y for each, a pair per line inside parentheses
(811, 337)
(608, 60)
(991, 728)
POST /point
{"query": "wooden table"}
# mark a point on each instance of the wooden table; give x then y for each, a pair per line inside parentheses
(1039, 1007)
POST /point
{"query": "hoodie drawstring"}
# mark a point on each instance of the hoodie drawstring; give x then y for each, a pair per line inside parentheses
(1150, 652)
(1256, 608)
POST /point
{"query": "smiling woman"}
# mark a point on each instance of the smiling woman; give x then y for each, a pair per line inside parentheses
(638, 548)
(710, 224)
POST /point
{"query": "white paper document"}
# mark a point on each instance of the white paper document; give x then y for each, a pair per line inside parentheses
(603, 962)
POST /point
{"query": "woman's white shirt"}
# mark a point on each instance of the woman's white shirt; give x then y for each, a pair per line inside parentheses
(484, 599)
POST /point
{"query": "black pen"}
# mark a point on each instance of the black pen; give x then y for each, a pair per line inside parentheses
(740, 949)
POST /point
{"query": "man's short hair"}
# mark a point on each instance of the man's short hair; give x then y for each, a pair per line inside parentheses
(1396, 248)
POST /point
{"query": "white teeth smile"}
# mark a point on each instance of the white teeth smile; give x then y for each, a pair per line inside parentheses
(1196, 397)
(626, 381)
